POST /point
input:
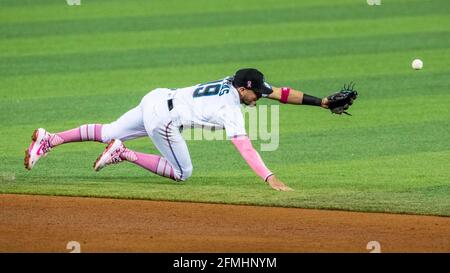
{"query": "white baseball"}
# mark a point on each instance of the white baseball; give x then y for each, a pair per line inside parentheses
(417, 64)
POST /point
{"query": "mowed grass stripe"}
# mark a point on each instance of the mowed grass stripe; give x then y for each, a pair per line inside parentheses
(366, 143)
(220, 54)
(379, 170)
(317, 75)
(37, 11)
(404, 83)
(195, 37)
(223, 18)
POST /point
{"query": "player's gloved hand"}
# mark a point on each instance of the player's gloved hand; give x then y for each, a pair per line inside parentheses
(277, 184)
(339, 102)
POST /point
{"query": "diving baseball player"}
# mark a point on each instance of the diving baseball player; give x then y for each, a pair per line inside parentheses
(163, 112)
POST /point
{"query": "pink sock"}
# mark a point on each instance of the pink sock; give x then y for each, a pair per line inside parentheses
(87, 132)
(155, 164)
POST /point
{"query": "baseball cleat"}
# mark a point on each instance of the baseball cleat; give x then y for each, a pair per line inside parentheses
(39, 147)
(111, 155)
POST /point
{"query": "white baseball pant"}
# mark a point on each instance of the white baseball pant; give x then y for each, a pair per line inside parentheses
(152, 118)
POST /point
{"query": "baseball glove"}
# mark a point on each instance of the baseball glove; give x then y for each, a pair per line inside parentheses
(339, 102)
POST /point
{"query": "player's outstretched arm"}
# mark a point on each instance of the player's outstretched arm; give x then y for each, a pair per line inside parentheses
(292, 96)
(245, 148)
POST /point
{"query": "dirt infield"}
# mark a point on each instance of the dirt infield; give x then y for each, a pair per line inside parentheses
(48, 223)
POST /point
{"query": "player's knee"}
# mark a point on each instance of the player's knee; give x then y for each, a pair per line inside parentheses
(187, 172)
(184, 173)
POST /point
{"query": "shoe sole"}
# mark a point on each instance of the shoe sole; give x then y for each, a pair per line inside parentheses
(97, 168)
(26, 160)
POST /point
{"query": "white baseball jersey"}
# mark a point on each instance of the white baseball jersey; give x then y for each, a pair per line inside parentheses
(214, 104)
(210, 105)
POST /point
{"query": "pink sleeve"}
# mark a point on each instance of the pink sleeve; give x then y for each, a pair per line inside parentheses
(244, 146)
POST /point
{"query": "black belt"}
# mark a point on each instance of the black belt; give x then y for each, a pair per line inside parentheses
(170, 106)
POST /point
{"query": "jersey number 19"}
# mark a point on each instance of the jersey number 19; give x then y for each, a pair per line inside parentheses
(212, 88)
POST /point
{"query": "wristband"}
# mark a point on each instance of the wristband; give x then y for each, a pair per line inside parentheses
(311, 100)
(285, 94)
(267, 177)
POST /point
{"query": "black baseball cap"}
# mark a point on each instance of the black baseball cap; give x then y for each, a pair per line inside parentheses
(252, 79)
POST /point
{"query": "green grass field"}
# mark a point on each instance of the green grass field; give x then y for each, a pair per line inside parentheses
(63, 66)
